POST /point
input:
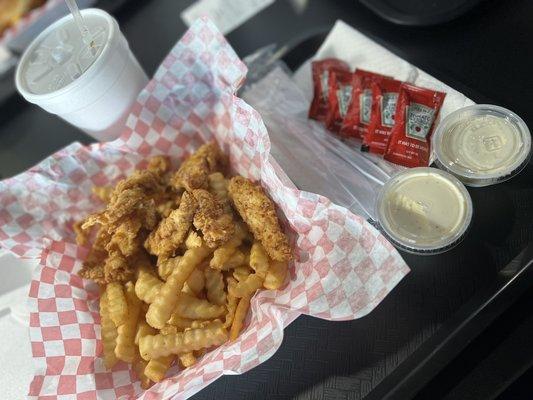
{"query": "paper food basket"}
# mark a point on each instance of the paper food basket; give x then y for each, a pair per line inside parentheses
(343, 266)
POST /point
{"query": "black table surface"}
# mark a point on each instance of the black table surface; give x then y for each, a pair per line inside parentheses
(486, 54)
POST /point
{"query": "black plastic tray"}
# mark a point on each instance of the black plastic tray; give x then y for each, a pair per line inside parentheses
(442, 305)
(445, 300)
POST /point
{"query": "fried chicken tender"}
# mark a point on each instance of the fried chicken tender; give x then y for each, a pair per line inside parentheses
(94, 273)
(217, 226)
(258, 211)
(130, 208)
(164, 208)
(93, 266)
(117, 268)
(194, 171)
(134, 195)
(126, 237)
(218, 185)
(172, 231)
(159, 165)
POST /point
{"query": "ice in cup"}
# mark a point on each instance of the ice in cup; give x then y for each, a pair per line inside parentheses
(424, 210)
(91, 87)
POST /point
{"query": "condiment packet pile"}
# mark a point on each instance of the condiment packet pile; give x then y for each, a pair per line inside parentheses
(393, 118)
(344, 267)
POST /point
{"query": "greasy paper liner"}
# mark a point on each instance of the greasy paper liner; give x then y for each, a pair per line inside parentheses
(343, 267)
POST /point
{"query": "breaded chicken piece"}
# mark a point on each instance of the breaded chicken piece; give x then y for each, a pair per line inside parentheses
(159, 165)
(215, 223)
(117, 268)
(194, 171)
(258, 211)
(126, 237)
(93, 266)
(218, 185)
(172, 231)
(133, 194)
(97, 254)
(120, 235)
(93, 272)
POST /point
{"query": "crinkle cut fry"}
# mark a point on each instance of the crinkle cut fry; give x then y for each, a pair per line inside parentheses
(224, 253)
(214, 284)
(165, 267)
(218, 185)
(108, 333)
(157, 368)
(147, 286)
(191, 307)
(139, 365)
(258, 211)
(116, 303)
(155, 346)
(161, 309)
(125, 348)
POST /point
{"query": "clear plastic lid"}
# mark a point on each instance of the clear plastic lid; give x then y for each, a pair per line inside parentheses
(60, 57)
(482, 144)
(424, 210)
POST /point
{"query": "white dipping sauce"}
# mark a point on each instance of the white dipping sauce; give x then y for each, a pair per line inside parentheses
(424, 210)
(482, 144)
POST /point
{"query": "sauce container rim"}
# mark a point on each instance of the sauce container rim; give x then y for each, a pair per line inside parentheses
(411, 246)
(477, 179)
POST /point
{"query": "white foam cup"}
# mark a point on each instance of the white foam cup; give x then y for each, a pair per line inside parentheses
(99, 99)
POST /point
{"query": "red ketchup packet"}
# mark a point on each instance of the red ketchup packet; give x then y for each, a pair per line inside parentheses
(357, 118)
(321, 74)
(340, 97)
(416, 112)
(384, 97)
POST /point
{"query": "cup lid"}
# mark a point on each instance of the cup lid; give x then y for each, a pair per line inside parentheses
(482, 144)
(52, 48)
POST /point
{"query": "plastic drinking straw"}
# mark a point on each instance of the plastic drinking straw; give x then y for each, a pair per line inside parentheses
(78, 19)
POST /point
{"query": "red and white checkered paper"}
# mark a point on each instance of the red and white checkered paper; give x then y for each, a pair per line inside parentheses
(344, 267)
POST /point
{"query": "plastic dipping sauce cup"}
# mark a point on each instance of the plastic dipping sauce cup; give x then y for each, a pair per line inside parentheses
(482, 144)
(424, 210)
(91, 88)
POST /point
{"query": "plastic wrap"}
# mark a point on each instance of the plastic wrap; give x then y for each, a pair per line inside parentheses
(311, 156)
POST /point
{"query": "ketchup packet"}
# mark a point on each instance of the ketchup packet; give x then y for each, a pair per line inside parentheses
(357, 118)
(340, 97)
(384, 97)
(416, 111)
(321, 74)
